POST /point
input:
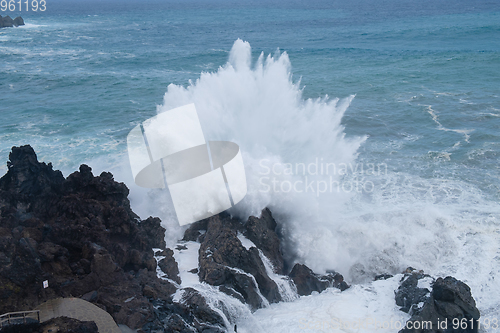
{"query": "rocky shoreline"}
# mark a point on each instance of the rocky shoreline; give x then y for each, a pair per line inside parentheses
(8, 22)
(80, 234)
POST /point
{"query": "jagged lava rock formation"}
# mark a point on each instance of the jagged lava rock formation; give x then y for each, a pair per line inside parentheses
(435, 304)
(80, 235)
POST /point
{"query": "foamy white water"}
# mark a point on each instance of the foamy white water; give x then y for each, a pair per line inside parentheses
(362, 308)
(443, 226)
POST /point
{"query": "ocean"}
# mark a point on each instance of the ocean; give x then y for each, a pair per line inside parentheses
(390, 109)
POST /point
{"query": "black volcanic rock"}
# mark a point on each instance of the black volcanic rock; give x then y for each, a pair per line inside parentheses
(452, 291)
(307, 281)
(169, 266)
(408, 293)
(18, 21)
(224, 261)
(191, 314)
(449, 299)
(241, 272)
(28, 185)
(80, 234)
(7, 21)
(382, 277)
(150, 227)
(262, 232)
(195, 230)
(193, 304)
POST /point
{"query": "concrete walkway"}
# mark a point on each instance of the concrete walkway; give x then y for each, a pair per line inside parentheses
(78, 309)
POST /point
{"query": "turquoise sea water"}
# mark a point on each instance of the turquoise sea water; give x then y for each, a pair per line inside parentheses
(77, 77)
(425, 74)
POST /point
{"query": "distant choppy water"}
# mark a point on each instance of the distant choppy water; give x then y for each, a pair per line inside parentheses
(75, 79)
(426, 75)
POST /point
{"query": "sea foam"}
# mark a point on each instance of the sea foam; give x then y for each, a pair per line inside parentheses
(260, 107)
(444, 226)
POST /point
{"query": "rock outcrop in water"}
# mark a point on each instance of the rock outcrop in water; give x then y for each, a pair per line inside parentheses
(435, 304)
(230, 260)
(224, 261)
(307, 281)
(80, 234)
(8, 22)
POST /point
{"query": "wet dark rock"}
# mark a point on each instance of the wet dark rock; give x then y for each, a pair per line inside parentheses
(336, 280)
(18, 21)
(231, 292)
(169, 266)
(451, 290)
(195, 230)
(262, 232)
(382, 277)
(224, 261)
(176, 324)
(161, 253)
(6, 22)
(240, 272)
(181, 247)
(449, 299)
(194, 304)
(190, 314)
(307, 281)
(409, 294)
